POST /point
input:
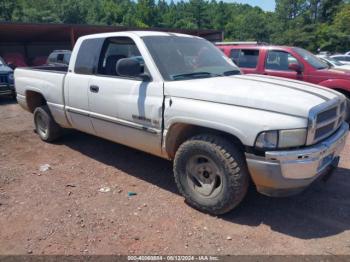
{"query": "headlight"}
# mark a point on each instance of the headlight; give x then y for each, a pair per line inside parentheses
(292, 138)
(267, 139)
(281, 139)
(11, 78)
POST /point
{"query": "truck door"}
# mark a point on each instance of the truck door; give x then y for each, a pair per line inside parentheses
(277, 63)
(125, 110)
(77, 84)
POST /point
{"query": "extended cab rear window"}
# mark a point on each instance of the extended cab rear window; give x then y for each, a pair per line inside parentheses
(246, 58)
(88, 56)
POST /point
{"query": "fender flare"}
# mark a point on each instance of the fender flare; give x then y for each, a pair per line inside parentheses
(34, 97)
(181, 128)
(229, 129)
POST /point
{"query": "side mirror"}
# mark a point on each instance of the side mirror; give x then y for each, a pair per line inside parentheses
(295, 67)
(131, 67)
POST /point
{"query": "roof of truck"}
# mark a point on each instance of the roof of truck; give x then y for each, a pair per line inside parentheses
(153, 33)
(138, 33)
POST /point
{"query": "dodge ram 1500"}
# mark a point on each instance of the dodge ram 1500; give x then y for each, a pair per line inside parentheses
(180, 98)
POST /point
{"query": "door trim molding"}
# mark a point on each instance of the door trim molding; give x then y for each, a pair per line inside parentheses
(113, 120)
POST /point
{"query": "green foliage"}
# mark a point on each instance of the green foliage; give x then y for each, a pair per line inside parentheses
(199, 11)
(146, 13)
(40, 11)
(312, 24)
(7, 7)
(250, 25)
(72, 12)
(342, 20)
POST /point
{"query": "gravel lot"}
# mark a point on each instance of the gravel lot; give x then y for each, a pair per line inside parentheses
(62, 211)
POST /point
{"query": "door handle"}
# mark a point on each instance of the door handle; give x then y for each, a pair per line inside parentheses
(94, 89)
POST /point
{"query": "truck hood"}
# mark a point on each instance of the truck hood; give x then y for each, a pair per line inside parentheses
(341, 72)
(5, 69)
(274, 94)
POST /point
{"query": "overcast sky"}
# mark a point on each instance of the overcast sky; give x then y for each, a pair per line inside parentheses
(267, 5)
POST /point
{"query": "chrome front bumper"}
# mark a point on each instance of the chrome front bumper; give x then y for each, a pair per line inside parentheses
(295, 169)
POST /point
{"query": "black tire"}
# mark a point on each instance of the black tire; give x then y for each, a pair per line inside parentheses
(223, 158)
(45, 126)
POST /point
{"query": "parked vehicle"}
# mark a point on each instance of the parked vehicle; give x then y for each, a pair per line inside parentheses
(324, 53)
(332, 63)
(288, 62)
(178, 97)
(59, 57)
(6, 79)
(39, 61)
(14, 60)
(345, 59)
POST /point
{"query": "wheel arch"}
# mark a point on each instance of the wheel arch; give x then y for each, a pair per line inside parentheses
(340, 85)
(180, 132)
(34, 99)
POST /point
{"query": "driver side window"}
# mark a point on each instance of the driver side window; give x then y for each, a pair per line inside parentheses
(280, 60)
(113, 50)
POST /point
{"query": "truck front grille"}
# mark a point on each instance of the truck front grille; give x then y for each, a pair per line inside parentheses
(3, 79)
(324, 116)
(322, 131)
(325, 119)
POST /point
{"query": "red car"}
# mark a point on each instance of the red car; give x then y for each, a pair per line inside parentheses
(289, 62)
(15, 60)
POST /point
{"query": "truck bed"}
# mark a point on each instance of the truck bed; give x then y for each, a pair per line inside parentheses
(47, 81)
(50, 68)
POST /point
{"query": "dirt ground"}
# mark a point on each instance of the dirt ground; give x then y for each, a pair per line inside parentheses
(62, 211)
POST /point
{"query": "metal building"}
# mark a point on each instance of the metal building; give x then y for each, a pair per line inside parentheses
(30, 44)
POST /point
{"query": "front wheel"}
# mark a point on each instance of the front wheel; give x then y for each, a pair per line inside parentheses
(211, 174)
(45, 126)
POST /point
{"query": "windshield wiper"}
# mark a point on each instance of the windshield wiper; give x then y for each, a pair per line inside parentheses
(194, 75)
(231, 73)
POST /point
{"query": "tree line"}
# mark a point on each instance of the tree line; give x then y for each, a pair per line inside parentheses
(312, 24)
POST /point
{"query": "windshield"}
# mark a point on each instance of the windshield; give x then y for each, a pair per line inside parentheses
(310, 58)
(181, 58)
(1, 61)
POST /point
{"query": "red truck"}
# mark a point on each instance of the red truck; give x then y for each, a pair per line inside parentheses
(284, 61)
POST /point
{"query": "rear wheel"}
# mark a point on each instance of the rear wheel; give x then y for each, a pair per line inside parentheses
(45, 126)
(211, 174)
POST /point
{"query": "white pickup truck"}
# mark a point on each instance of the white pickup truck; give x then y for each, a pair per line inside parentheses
(178, 97)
